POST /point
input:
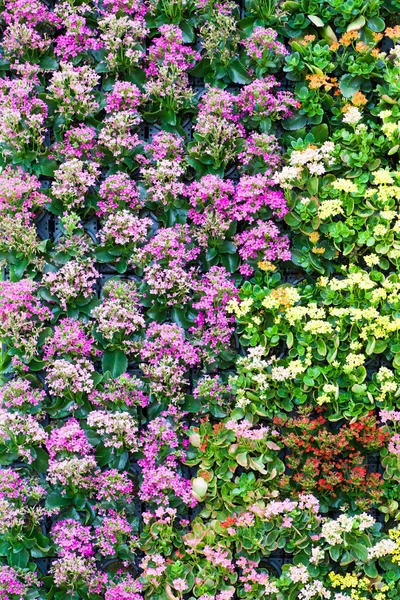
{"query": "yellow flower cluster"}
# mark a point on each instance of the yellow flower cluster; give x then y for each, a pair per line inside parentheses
(345, 185)
(385, 378)
(297, 313)
(383, 177)
(281, 297)
(353, 361)
(387, 187)
(318, 326)
(394, 535)
(344, 581)
(358, 585)
(240, 309)
(390, 130)
(266, 265)
(330, 208)
(330, 391)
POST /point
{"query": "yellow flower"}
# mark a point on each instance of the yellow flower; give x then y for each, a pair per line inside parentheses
(345, 185)
(390, 129)
(353, 361)
(372, 260)
(329, 208)
(282, 297)
(315, 326)
(239, 310)
(382, 176)
(380, 230)
(265, 265)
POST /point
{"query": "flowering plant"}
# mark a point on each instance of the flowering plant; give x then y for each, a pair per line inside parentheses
(199, 300)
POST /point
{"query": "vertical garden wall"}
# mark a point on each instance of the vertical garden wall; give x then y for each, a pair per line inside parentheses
(200, 301)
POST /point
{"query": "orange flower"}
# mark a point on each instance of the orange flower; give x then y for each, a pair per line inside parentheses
(349, 37)
(318, 250)
(307, 39)
(317, 81)
(229, 521)
(393, 32)
(218, 427)
(334, 47)
(361, 47)
(359, 99)
(377, 36)
(205, 475)
(314, 237)
(280, 294)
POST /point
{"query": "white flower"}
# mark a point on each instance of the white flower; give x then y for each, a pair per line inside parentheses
(352, 116)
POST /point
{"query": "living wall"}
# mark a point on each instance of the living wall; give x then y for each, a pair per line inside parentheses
(200, 302)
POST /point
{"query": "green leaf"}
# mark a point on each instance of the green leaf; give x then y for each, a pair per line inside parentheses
(20, 559)
(121, 265)
(168, 116)
(292, 219)
(230, 262)
(192, 404)
(360, 552)
(187, 31)
(102, 67)
(104, 256)
(114, 361)
(227, 248)
(334, 552)
(242, 459)
(321, 347)
(371, 570)
(103, 455)
(48, 64)
(46, 167)
(17, 271)
(237, 72)
(357, 24)
(179, 317)
(202, 68)
(4, 548)
(349, 85)
(396, 361)
(211, 254)
(380, 346)
(295, 122)
(376, 24)
(41, 463)
(320, 133)
(370, 346)
(36, 365)
(56, 500)
(136, 76)
(123, 459)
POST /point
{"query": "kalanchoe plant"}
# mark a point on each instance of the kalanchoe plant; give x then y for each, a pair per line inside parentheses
(220, 449)
(199, 305)
(316, 350)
